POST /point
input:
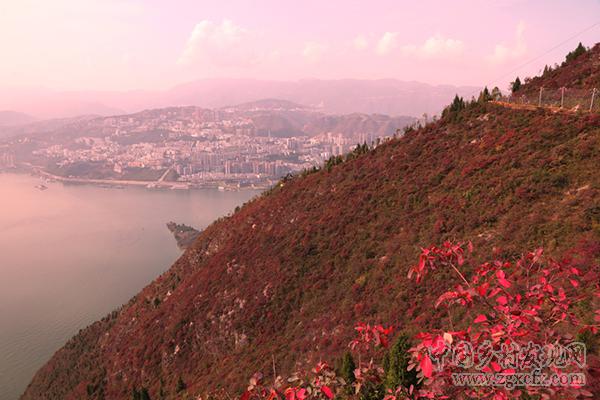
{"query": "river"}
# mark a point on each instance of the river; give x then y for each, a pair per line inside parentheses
(72, 253)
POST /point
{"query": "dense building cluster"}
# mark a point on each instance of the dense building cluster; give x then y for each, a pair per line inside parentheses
(195, 147)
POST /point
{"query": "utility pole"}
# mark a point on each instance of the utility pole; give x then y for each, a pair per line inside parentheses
(562, 97)
(540, 99)
(592, 102)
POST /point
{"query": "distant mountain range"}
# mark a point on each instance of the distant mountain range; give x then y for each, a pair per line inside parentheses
(385, 96)
(280, 118)
(10, 118)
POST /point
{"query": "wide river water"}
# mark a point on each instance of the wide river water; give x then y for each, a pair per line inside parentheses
(71, 254)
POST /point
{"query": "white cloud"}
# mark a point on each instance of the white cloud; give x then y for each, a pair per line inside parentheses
(387, 43)
(440, 46)
(436, 46)
(360, 42)
(503, 52)
(221, 45)
(313, 51)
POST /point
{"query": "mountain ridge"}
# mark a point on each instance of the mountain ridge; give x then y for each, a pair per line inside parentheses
(8, 118)
(394, 97)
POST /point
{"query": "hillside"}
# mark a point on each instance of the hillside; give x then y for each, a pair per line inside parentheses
(580, 70)
(291, 272)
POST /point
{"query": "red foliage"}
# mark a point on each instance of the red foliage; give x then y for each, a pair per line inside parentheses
(511, 305)
(368, 335)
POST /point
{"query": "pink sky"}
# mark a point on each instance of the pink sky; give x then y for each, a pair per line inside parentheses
(152, 44)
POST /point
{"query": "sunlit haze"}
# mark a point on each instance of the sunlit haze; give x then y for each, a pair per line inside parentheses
(134, 44)
(299, 199)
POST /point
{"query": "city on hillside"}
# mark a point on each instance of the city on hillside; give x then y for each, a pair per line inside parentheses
(251, 146)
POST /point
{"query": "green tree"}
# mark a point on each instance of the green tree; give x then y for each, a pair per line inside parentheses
(457, 104)
(135, 394)
(484, 96)
(396, 365)
(579, 50)
(454, 108)
(516, 85)
(144, 395)
(332, 161)
(347, 369)
(181, 386)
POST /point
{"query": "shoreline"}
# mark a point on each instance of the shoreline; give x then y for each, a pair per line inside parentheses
(120, 184)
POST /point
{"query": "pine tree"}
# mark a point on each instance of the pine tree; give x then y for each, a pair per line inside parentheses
(579, 50)
(484, 96)
(516, 85)
(181, 386)
(454, 108)
(135, 394)
(396, 365)
(347, 369)
(144, 395)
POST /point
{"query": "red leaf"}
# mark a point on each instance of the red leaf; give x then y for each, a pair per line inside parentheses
(504, 282)
(245, 395)
(483, 288)
(574, 282)
(500, 275)
(495, 366)
(426, 366)
(327, 391)
(480, 318)
(502, 300)
(272, 395)
(301, 394)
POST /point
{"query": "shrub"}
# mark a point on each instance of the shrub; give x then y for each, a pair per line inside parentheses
(396, 365)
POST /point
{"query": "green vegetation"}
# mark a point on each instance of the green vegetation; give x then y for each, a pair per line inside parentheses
(347, 368)
(140, 394)
(181, 386)
(395, 365)
(515, 85)
(484, 96)
(579, 50)
(144, 395)
(452, 111)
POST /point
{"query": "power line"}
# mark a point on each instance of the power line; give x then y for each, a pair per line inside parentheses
(512, 71)
(550, 50)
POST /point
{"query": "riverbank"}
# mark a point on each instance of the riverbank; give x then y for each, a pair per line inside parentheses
(116, 183)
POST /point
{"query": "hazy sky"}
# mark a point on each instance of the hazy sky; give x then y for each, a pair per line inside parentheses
(137, 44)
